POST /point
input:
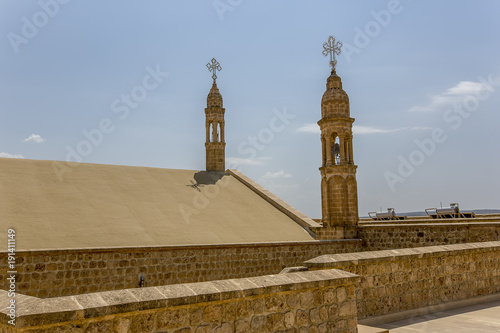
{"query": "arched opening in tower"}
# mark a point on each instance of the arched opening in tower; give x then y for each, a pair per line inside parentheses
(214, 134)
(336, 150)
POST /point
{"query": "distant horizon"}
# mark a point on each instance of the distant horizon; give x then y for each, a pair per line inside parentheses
(423, 213)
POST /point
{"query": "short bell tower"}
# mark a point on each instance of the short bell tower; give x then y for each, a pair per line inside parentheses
(339, 192)
(215, 145)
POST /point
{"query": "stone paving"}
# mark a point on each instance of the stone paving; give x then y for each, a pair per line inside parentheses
(479, 318)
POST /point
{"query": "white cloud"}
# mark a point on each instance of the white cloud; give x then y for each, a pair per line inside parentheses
(450, 96)
(362, 130)
(422, 128)
(277, 174)
(34, 138)
(7, 155)
(279, 189)
(238, 161)
(464, 88)
(278, 183)
(309, 128)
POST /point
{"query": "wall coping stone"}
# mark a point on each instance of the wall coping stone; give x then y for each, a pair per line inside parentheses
(346, 259)
(33, 311)
(4, 253)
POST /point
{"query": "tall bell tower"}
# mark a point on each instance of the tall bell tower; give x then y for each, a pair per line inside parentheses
(214, 124)
(339, 193)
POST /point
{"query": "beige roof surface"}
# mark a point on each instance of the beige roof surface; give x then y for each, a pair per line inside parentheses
(96, 205)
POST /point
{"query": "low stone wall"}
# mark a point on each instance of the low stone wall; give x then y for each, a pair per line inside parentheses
(405, 279)
(321, 301)
(427, 232)
(69, 272)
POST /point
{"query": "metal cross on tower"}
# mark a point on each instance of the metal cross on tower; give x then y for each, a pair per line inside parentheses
(214, 66)
(332, 47)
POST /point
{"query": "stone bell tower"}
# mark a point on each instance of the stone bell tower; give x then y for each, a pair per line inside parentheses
(214, 124)
(339, 193)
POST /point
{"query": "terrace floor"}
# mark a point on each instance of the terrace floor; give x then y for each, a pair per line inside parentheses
(479, 318)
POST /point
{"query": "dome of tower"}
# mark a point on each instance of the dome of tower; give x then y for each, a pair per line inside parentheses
(335, 102)
(214, 98)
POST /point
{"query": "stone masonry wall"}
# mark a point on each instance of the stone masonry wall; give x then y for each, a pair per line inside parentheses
(302, 302)
(404, 279)
(70, 272)
(398, 235)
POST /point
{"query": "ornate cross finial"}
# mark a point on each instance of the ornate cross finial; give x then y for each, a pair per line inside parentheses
(332, 47)
(214, 66)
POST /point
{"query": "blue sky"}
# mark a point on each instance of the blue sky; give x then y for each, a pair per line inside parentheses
(423, 79)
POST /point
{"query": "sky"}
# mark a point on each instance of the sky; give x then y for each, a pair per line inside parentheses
(125, 82)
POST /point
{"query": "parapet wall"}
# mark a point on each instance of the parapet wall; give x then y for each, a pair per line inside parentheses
(382, 235)
(405, 279)
(55, 273)
(321, 301)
